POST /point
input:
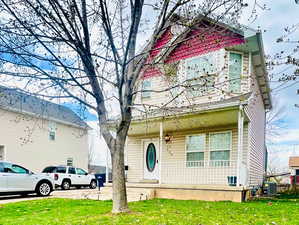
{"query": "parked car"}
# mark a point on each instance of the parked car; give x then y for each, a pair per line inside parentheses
(15, 179)
(68, 176)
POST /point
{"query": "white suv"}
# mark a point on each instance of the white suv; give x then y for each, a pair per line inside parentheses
(15, 179)
(68, 176)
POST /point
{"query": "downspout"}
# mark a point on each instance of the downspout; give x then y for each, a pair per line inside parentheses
(160, 152)
(240, 143)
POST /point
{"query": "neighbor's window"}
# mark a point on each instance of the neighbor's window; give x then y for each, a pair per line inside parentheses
(69, 162)
(220, 147)
(52, 130)
(201, 74)
(235, 72)
(146, 85)
(195, 150)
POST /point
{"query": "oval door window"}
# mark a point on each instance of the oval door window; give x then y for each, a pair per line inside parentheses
(151, 157)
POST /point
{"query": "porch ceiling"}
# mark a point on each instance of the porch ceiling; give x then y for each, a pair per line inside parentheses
(200, 120)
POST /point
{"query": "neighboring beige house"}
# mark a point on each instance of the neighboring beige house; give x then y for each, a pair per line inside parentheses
(207, 133)
(294, 169)
(36, 133)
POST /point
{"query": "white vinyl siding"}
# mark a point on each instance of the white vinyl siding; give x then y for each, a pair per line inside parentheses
(256, 132)
(235, 72)
(195, 150)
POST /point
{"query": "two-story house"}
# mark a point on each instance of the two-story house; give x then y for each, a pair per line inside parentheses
(198, 130)
(36, 133)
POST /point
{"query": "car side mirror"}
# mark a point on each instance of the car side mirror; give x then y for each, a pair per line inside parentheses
(30, 173)
(86, 173)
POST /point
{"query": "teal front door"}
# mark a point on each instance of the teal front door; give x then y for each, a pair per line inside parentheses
(151, 160)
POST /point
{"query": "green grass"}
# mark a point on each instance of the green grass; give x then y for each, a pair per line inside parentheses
(159, 211)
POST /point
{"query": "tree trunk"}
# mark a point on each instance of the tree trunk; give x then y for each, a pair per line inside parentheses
(119, 197)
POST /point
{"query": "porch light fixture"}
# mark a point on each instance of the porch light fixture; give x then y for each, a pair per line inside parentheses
(167, 138)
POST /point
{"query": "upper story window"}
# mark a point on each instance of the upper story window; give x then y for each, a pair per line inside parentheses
(235, 72)
(195, 150)
(52, 130)
(200, 71)
(146, 85)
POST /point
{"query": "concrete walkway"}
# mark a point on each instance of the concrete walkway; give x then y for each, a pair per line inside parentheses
(134, 194)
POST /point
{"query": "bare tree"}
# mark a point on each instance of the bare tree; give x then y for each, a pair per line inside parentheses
(88, 51)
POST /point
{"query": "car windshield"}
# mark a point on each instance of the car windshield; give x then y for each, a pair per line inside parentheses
(49, 169)
(55, 169)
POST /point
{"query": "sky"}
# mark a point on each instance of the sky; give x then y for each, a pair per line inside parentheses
(273, 21)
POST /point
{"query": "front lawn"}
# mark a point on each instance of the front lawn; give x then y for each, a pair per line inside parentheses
(158, 211)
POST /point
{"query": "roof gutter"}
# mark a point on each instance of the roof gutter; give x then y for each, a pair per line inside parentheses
(262, 53)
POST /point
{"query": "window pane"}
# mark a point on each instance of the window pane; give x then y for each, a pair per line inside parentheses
(199, 72)
(80, 171)
(72, 170)
(219, 155)
(61, 170)
(235, 71)
(52, 135)
(69, 162)
(220, 141)
(196, 143)
(49, 169)
(195, 156)
(18, 169)
(146, 85)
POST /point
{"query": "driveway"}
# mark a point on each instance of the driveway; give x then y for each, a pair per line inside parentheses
(134, 194)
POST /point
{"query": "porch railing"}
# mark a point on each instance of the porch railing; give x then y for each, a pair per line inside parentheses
(198, 172)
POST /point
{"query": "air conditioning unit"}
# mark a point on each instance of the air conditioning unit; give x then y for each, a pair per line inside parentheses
(270, 188)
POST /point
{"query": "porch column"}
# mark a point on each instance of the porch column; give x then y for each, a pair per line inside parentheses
(107, 166)
(160, 152)
(240, 143)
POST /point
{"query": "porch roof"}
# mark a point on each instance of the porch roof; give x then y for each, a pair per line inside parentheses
(213, 114)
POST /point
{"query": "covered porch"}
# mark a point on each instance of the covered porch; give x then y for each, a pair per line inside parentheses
(158, 148)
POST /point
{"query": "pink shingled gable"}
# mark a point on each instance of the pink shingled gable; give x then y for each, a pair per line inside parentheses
(198, 42)
(152, 70)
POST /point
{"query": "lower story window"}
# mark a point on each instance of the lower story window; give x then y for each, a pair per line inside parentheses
(220, 147)
(195, 150)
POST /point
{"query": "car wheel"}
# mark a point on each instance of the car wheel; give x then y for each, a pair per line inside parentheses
(66, 185)
(44, 189)
(93, 184)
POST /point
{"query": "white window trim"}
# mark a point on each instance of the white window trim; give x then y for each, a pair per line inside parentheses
(186, 149)
(242, 70)
(218, 150)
